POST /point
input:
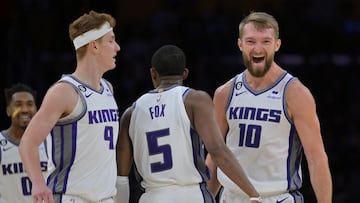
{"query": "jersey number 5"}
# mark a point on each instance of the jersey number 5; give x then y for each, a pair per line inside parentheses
(155, 148)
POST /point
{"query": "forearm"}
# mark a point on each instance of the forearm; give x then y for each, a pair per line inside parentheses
(213, 183)
(230, 166)
(29, 154)
(321, 182)
(124, 162)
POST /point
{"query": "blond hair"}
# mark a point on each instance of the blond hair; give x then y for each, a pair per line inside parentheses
(260, 20)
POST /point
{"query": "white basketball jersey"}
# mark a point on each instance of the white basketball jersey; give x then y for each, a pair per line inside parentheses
(263, 138)
(15, 185)
(167, 150)
(83, 157)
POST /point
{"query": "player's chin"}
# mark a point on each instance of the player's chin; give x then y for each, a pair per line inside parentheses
(112, 66)
(24, 125)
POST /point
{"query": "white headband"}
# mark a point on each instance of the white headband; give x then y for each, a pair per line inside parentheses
(91, 35)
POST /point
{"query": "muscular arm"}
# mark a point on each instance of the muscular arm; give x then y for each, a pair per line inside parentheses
(302, 109)
(58, 101)
(201, 110)
(220, 100)
(124, 158)
(124, 146)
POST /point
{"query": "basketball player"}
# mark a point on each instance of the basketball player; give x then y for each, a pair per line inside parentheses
(81, 114)
(15, 185)
(165, 132)
(269, 120)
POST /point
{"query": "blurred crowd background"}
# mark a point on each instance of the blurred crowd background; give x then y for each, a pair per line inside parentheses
(320, 45)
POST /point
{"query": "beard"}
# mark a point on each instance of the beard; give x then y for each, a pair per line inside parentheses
(258, 72)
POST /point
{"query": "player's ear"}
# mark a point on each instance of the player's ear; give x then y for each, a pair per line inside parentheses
(153, 72)
(185, 73)
(239, 43)
(277, 44)
(154, 76)
(8, 111)
(92, 44)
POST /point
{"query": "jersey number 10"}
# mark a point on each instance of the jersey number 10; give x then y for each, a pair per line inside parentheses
(249, 135)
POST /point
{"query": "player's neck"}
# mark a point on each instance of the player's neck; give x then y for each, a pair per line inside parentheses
(91, 79)
(169, 81)
(14, 133)
(261, 83)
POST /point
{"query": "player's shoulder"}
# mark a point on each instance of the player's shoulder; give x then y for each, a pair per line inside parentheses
(61, 91)
(224, 89)
(61, 86)
(297, 94)
(127, 112)
(197, 93)
(196, 97)
(125, 117)
(296, 87)
(60, 97)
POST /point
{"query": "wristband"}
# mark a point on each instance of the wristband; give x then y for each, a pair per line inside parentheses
(258, 199)
(123, 190)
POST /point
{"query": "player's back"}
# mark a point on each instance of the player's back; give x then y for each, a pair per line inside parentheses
(167, 150)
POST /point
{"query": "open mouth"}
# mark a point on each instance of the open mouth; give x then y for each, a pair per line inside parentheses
(24, 118)
(258, 59)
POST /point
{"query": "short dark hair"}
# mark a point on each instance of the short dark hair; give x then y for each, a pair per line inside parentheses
(169, 60)
(18, 87)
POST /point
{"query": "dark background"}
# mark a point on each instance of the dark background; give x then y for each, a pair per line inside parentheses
(320, 45)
